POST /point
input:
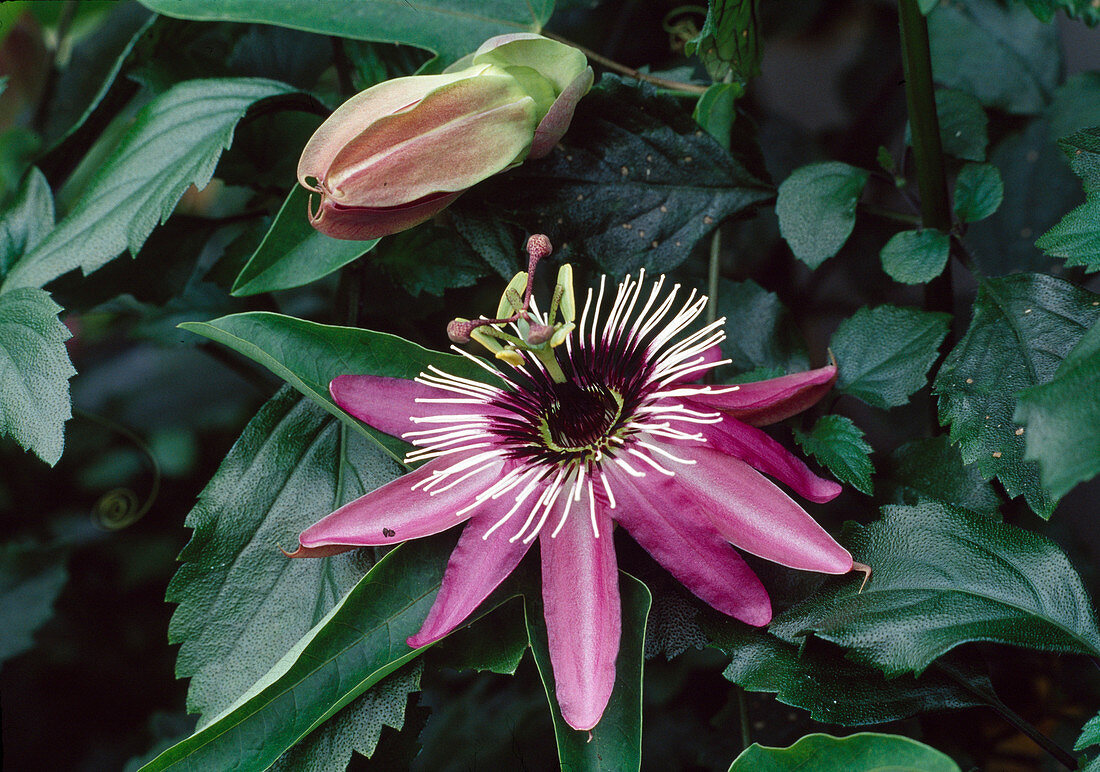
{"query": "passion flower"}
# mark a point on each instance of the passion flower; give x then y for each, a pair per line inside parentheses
(597, 428)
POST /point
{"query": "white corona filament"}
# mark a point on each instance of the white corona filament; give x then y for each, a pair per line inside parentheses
(553, 487)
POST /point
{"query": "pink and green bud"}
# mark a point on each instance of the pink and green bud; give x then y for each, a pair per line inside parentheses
(396, 154)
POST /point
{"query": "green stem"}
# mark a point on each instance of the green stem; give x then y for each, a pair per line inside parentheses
(743, 711)
(1056, 751)
(714, 266)
(920, 98)
(890, 214)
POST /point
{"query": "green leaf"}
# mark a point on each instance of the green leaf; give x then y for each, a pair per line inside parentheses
(1039, 190)
(616, 742)
(1090, 734)
(355, 728)
(760, 330)
(915, 257)
(979, 191)
(819, 679)
(242, 602)
(943, 577)
(1063, 419)
(93, 68)
(1023, 326)
(1085, 10)
(293, 253)
(963, 125)
(451, 29)
(34, 372)
(31, 578)
(308, 355)
(932, 468)
(817, 209)
(863, 752)
(884, 353)
(636, 183)
(838, 444)
(428, 259)
(729, 43)
(1076, 104)
(353, 647)
(715, 111)
(495, 643)
(174, 143)
(972, 38)
(27, 221)
(1077, 236)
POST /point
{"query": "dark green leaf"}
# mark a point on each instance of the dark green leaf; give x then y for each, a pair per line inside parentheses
(963, 125)
(636, 183)
(817, 209)
(933, 469)
(92, 69)
(1077, 236)
(497, 243)
(715, 110)
(915, 257)
(729, 42)
(978, 192)
(27, 221)
(34, 372)
(309, 355)
(819, 679)
(31, 578)
(972, 38)
(1023, 326)
(1039, 190)
(1085, 10)
(355, 728)
(1076, 105)
(944, 577)
(451, 29)
(838, 445)
(884, 353)
(293, 253)
(616, 742)
(242, 602)
(428, 259)
(863, 752)
(358, 643)
(495, 643)
(1090, 734)
(1063, 419)
(174, 143)
(759, 329)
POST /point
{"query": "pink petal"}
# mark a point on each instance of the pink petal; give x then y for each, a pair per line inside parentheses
(357, 113)
(554, 124)
(753, 514)
(580, 590)
(456, 136)
(765, 402)
(352, 223)
(395, 512)
(765, 454)
(388, 403)
(690, 548)
(477, 566)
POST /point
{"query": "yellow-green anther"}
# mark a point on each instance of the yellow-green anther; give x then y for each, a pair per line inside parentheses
(511, 356)
(568, 303)
(511, 302)
(561, 334)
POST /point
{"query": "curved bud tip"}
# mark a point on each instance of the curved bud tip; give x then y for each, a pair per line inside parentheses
(458, 330)
(538, 246)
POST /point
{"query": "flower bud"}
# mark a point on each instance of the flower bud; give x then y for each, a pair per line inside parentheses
(396, 154)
